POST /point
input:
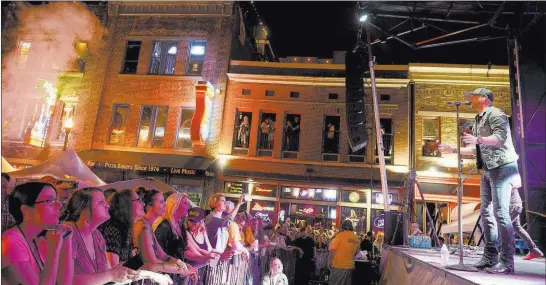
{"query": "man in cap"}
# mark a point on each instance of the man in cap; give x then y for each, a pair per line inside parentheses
(491, 142)
(343, 249)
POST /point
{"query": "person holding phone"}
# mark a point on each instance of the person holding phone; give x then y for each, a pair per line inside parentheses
(26, 258)
(85, 211)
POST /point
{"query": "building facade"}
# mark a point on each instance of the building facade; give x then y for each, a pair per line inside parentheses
(134, 103)
(284, 139)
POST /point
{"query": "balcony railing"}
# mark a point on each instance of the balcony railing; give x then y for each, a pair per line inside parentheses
(291, 141)
(330, 142)
(265, 139)
(241, 140)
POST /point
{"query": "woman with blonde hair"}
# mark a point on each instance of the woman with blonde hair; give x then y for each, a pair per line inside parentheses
(378, 243)
(275, 275)
(167, 228)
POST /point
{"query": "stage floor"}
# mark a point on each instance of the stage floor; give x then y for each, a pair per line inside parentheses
(527, 272)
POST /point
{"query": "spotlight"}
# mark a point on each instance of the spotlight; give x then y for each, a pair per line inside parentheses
(363, 18)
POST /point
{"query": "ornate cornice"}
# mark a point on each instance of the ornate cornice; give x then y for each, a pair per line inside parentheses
(168, 8)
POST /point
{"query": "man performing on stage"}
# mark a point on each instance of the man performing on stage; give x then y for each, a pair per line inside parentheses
(491, 142)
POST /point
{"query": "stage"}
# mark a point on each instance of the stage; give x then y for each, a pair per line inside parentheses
(412, 266)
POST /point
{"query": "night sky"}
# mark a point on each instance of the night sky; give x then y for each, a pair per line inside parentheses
(319, 28)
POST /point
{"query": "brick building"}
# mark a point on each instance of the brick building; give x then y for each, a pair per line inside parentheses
(264, 102)
(135, 101)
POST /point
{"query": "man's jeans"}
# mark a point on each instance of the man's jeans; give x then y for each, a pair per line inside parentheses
(495, 192)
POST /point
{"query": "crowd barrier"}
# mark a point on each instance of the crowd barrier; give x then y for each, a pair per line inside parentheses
(251, 272)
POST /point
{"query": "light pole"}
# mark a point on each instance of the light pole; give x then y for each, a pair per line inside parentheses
(68, 125)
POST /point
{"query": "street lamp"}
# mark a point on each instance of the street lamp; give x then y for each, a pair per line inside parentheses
(68, 125)
(363, 18)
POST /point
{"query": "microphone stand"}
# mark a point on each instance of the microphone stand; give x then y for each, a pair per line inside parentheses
(461, 266)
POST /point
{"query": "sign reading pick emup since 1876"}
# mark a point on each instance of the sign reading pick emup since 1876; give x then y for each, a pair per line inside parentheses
(151, 168)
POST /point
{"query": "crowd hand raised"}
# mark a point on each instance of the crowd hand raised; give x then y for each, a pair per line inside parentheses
(123, 274)
(444, 148)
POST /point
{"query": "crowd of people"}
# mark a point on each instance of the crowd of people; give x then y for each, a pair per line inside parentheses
(90, 235)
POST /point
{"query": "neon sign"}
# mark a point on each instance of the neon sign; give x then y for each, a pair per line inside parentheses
(308, 211)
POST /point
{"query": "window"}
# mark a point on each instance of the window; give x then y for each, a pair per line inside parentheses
(82, 52)
(246, 92)
(317, 194)
(163, 57)
(119, 124)
(358, 216)
(269, 92)
(196, 57)
(331, 134)
(294, 94)
(131, 57)
(431, 137)
(183, 139)
(152, 126)
(266, 132)
(388, 141)
(292, 132)
(332, 96)
(241, 131)
(24, 50)
(385, 97)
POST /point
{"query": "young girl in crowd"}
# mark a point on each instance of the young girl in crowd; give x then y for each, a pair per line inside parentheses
(27, 258)
(85, 211)
(275, 275)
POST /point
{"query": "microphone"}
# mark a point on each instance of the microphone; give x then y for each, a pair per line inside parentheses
(459, 103)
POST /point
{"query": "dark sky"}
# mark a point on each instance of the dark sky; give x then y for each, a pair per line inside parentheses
(319, 28)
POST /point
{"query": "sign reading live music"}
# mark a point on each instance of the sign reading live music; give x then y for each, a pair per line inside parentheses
(151, 168)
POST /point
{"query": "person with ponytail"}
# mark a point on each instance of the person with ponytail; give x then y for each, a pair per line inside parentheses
(28, 256)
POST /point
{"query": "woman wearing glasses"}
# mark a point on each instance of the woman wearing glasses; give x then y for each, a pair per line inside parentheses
(26, 257)
(85, 211)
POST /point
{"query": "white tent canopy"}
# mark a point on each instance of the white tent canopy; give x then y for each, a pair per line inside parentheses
(6, 167)
(466, 209)
(147, 183)
(469, 221)
(65, 166)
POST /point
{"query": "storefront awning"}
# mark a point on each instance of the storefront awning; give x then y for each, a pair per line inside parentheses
(376, 184)
(149, 162)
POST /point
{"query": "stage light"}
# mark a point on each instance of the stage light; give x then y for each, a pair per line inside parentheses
(363, 18)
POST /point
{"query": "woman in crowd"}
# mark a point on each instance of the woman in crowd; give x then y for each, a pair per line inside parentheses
(199, 249)
(146, 242)
(246, 232)
(85, 211)
(275, 275)
(167, 228)
(217, 224)
(34, 207)
(126, 208)
(378, 243)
